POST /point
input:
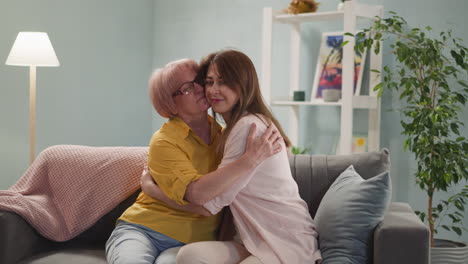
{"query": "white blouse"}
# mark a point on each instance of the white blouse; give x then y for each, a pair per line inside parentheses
(272, 220)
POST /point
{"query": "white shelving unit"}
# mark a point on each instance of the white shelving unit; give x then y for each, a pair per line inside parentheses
(352, 11)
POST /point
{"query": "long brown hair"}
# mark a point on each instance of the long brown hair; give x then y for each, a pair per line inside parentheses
(238, 72)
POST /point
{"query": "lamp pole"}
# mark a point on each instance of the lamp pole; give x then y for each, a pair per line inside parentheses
(32, 113)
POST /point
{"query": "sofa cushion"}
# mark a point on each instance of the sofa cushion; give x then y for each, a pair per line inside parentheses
(348, 214)
(70, 256)
(315, 174)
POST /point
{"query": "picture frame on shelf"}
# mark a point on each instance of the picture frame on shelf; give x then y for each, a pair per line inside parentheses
(359, 144)
(328, 72)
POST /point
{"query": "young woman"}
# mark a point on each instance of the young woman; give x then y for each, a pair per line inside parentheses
(272, 221)
(181, 152)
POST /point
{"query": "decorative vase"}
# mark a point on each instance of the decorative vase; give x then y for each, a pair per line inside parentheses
(331, 95)
(449, 252)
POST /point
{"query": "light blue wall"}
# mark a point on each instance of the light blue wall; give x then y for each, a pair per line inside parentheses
(195, 28)
(98, 96)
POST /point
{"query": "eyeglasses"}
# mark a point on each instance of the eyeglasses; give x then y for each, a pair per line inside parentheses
(189, 87)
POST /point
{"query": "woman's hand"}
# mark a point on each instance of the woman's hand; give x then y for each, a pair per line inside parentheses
(147, 183)
(149, 186)
(260, 148)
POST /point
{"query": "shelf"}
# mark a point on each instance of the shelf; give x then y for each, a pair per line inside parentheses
(348, 17)
(309, 17)
(360, 10)
(315, 102)
(361, 102)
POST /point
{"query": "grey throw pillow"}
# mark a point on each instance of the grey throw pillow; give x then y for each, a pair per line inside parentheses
(348, 214)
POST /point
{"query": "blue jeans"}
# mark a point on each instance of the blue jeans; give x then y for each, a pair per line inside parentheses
(133, 243)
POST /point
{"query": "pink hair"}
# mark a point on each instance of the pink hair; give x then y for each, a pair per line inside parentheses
(164, 82)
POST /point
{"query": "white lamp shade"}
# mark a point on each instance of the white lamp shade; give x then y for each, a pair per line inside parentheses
(32, 49)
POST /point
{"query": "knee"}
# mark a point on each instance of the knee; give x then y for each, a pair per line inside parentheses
(123, 257)
(190, 254)
(124, 246)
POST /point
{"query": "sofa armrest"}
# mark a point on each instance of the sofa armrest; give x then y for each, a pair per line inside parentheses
(18, 240)
(401, 237)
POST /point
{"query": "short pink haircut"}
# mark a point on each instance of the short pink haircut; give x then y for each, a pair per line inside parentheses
(164, 82)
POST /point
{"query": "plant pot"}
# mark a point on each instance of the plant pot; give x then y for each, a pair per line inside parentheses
(299, 96)
(449, 252)
(331, 95)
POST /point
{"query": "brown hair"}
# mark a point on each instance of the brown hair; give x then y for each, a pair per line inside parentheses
(164, 82)
(238, 72)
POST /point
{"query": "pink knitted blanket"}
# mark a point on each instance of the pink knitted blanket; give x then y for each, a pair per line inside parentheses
(68, 188)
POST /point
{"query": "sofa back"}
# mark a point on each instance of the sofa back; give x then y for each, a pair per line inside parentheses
(314, 174)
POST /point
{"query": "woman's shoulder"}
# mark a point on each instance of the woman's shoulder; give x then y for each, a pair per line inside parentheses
(165, 136)
(248, 119)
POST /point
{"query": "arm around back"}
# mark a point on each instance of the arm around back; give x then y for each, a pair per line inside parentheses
(401, 237)
(251, 150)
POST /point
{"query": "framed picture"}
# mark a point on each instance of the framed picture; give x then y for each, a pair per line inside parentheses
(328, 73)
(359, 144)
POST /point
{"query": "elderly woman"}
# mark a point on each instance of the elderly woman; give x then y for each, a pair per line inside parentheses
(183, 150)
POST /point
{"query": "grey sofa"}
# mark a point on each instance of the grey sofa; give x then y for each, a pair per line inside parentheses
(400, 238)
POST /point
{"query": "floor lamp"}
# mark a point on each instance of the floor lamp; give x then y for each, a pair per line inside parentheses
(32, 49)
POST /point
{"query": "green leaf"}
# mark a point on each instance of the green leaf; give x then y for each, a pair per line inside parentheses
(421, 215)
(344, 43)
(377, 47)
(462, 83)
(378, 87)
(457, 230)
(386, 69)
(379, 94)
(458, 58)
(461, 98)
(453, 217)
(405, 145)
(454, 128)
(378, 35)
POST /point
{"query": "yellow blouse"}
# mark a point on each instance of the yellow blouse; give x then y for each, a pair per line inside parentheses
(177, 156)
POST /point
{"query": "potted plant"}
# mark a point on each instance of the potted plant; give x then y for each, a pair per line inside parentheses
(429, 75)
(295, 150)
